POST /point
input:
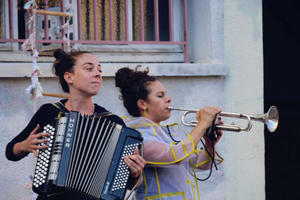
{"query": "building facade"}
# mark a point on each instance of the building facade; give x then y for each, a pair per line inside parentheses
(205, 52)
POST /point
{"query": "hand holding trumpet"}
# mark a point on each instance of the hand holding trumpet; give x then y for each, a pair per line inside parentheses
(207, 115)
(270, 119)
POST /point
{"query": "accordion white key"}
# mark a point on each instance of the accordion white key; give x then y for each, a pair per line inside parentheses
(85, 155)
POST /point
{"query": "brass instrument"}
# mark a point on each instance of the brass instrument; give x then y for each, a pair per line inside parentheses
(270, 119)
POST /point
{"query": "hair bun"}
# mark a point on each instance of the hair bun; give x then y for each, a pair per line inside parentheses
(124, 77)
(59, 54)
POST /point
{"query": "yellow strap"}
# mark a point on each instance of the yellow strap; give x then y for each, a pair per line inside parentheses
(184, 149)
(202, 163)
(196, 180)
(192, 141)
(157, 180)
(193, 190)
(176, 160)
(145, 183)
(59, 114)
(143, 125)
(198, 165)
(221, 159)
(172, 148)
(166, 195)
(154, 132)
(167, 163)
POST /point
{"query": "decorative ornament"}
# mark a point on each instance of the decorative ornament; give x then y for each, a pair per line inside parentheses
(35, 89)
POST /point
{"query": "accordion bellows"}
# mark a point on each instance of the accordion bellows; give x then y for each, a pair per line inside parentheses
(85, 154)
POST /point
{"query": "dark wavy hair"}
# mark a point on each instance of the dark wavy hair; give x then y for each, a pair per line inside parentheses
(133, 86)
(64, 62)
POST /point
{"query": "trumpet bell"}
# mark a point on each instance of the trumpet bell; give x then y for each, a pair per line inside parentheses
(272, 119)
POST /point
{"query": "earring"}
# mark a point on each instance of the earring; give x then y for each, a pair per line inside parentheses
(145, 113)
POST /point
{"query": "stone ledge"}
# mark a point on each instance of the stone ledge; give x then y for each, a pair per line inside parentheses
(18, 70)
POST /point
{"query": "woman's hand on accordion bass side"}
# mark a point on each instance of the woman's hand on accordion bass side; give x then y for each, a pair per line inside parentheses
(136, 163)
(31, 144)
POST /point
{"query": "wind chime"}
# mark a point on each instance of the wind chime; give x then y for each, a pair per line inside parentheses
(29, 46)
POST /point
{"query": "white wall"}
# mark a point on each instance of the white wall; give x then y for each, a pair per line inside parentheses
(244, 155)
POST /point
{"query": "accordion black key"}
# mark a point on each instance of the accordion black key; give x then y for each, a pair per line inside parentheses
(85, 155)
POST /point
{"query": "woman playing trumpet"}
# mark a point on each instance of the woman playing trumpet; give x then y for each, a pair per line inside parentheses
(167, 176)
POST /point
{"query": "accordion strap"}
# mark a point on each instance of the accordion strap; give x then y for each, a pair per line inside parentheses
(104, 114)
(61, 107)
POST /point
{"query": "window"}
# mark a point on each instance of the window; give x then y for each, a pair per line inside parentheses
(102, 20)
(144, 27)
(138, 12)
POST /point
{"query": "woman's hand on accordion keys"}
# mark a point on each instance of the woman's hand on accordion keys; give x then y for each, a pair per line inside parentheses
(136, 163)
(31, 144)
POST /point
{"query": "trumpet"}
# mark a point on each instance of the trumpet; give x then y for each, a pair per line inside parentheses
(270, 119)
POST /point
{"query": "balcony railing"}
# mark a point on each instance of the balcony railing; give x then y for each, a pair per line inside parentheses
(131, 33)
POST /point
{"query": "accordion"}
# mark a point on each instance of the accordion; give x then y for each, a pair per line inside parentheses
(85, 155)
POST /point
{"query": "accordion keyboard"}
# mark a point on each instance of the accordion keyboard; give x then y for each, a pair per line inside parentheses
(43, 159)
(122, 174)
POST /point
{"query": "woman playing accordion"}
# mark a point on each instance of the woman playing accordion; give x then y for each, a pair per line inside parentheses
(79, 74)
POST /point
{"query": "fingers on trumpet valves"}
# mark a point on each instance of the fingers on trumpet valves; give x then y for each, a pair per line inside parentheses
(208, 115)
(211, 111)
